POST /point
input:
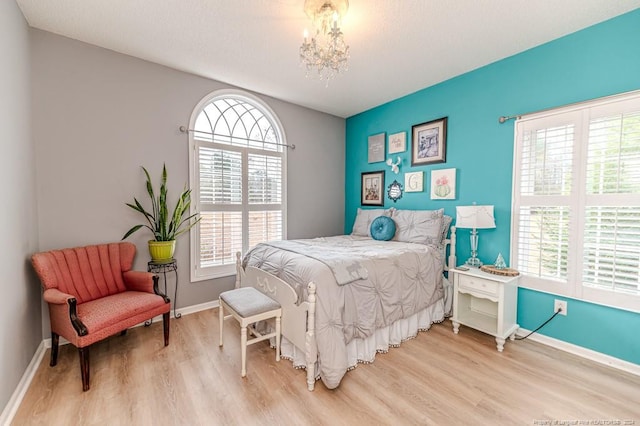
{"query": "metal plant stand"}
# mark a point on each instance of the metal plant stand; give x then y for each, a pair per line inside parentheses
(164, 267)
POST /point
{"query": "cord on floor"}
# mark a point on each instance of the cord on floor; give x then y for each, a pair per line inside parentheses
(543, 324)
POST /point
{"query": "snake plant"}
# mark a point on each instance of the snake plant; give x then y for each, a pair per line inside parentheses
(164, 226)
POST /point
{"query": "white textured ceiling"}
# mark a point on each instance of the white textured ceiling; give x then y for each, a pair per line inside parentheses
(397, 46)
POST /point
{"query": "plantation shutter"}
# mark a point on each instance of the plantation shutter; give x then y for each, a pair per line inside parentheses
(544, 196)
(220, 198)
(612, 223)
(265, 198)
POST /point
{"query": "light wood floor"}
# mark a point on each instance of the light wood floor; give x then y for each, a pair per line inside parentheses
(436, 379)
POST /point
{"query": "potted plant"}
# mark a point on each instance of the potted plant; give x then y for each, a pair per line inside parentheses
(164, 226)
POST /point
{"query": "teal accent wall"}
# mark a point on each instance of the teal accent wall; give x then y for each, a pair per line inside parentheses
(600, 328)
(598, 61)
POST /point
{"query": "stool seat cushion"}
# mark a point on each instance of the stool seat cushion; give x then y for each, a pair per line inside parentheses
(247, 301)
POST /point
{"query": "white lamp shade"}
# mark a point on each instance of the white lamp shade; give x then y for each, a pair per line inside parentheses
(475, 217)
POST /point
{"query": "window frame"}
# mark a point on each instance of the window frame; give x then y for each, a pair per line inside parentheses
(220, 271)
(578, 200)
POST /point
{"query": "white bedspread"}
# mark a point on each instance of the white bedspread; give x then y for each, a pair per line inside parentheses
(402, 279)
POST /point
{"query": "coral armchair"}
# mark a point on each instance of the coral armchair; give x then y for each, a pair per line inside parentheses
(93, 293)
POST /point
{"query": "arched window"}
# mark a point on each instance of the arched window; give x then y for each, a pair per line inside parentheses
(237, 172)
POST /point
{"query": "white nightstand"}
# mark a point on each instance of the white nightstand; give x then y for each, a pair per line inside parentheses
(486, 302)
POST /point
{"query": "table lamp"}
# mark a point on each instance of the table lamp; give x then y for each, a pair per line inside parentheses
(474, 218)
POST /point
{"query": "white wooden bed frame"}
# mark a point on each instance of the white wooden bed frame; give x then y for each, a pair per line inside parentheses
(298, 321)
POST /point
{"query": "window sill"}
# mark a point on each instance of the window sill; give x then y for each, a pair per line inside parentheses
(213, 273)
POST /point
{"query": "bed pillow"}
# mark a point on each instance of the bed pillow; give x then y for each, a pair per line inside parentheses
(364, 218)
(446, 223)
(419, 226)
(383, 228)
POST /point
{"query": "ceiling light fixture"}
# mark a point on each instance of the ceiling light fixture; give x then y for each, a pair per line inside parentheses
(325, 54)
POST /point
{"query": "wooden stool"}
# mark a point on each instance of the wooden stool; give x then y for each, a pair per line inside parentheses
(248, 305)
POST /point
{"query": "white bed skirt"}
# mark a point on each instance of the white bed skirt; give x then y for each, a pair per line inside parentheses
(364, 350)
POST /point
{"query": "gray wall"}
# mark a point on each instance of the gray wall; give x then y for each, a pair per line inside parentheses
(20, 329)
(99, 115)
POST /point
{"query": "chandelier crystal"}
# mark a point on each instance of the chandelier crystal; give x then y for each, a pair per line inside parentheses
(325, 54)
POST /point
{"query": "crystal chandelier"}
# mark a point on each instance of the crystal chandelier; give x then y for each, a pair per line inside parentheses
(325, 54)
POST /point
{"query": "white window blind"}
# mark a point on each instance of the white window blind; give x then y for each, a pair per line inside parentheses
(265, 179)
(612, 227)
(220, 238)
(576, 201)
(238, 175)
(544, 242)
(546, 168)
(220, 176)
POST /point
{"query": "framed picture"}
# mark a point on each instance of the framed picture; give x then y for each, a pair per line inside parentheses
(413, 182)
(376, 148)
(395, 191)
(443, 184)
(373, 188)
(397, 142)
(429, 142)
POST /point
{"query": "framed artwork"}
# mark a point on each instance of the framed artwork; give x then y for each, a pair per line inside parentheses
(397, 142)
(395, 191)
(443, 184)
(373, 188)
(429, 142)
(376, 148)
(413, 182)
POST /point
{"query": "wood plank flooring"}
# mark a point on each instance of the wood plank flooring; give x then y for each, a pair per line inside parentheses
(437, 378)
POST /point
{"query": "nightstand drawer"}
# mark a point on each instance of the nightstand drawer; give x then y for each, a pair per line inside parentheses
(482, 285)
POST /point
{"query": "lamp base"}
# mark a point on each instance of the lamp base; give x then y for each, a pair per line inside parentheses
(473, 262)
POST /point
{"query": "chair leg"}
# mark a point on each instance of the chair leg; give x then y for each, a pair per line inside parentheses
(243, 344)
(221, 320)
(55, 339)
(277, 338)
(84, 367)
(165, 326)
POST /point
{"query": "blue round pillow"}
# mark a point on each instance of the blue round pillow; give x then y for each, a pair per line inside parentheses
(383, 228)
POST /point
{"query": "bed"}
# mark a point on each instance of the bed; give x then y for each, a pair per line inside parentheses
(346, 298)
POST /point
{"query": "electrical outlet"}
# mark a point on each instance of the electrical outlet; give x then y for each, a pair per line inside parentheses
(560, 304)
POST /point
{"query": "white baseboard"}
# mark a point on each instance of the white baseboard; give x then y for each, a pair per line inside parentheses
(14, 402)
(589, 354)
(197, 308)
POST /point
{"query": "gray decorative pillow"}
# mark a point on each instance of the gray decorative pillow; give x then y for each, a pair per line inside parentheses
(446, 223)
(362, 225)
(419, 226)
